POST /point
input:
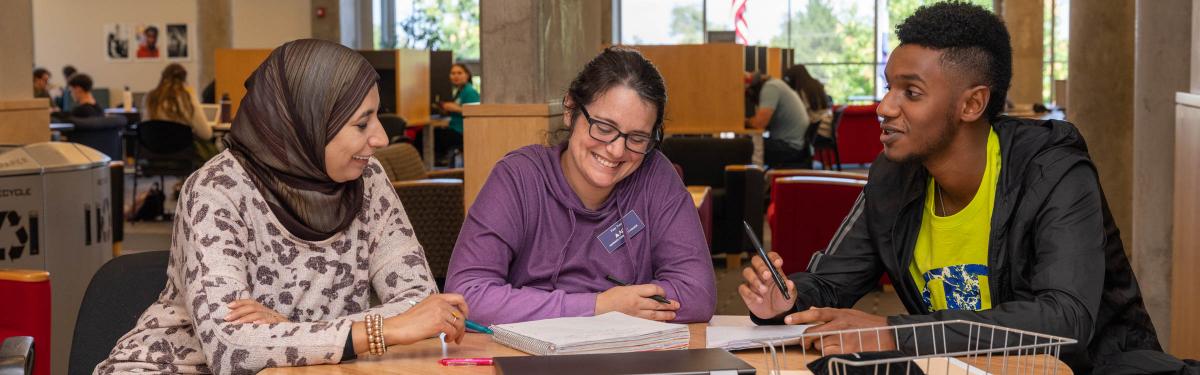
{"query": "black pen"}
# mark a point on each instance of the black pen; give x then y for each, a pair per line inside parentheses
(614, 280)
(767, 260)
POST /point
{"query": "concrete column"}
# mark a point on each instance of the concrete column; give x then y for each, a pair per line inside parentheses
(214, 28)
(1162, 67)
(327, 27)
(1101, 91)
(531, 49)
(1024, 21)
(16, 63)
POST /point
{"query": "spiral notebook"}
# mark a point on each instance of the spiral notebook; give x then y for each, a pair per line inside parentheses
(611, 332)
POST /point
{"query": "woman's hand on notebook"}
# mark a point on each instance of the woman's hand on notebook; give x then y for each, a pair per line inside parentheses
(634, 300)
(438, 313)
(759, 291)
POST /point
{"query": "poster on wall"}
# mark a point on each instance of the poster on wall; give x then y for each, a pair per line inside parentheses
(147, 41)
(116, 41)
(177, 41)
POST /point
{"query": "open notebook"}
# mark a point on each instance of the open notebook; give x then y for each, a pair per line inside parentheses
(611, 332)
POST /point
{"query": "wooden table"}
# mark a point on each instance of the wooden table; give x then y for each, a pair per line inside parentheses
(427, 130)
(422, 358)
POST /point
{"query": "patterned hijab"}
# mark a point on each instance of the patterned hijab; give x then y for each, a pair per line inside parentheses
(295, 103)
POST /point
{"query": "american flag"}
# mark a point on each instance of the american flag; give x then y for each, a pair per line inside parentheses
(739, 21)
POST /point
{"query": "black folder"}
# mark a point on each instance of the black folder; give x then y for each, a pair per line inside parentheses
(694, 361)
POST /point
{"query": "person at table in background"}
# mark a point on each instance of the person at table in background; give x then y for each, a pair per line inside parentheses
(280, 239)
(172, 100)
(780, 112)
(552, 222)
(148, 48)
(84, 105)
(448, 141)
(41, 83)
(816, 101)
(973, 215)
(41, 86)
(62, 95)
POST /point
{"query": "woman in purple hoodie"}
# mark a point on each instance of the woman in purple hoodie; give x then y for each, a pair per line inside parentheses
(553, 225)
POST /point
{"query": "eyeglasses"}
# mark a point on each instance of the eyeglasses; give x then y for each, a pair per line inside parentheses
(608, 133)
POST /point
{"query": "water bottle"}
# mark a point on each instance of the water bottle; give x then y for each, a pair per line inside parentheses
(127, 97)
(226, 108)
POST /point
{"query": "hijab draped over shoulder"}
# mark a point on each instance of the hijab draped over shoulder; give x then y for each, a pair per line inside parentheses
(295, 103)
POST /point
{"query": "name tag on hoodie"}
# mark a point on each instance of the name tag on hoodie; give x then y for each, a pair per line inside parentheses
(614, 236)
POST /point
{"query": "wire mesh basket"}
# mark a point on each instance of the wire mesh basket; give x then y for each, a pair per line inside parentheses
(949, 347)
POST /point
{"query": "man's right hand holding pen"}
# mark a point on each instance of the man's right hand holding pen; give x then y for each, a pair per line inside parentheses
(759, 291)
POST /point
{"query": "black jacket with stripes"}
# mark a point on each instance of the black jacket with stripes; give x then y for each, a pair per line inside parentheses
(1055, 259)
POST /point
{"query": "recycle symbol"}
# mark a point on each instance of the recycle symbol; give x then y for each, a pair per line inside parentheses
(10, 219)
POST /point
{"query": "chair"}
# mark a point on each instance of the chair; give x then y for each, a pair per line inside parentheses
(825, 150)
(737, 186)
(164, 148)
(775, 174)
(103, 133)
(432, 200)
(394, 126)
(809, 210)
(25, 297)
(119, 293)
(858, 135)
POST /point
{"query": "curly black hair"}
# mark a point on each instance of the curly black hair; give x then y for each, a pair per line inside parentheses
(971, 38)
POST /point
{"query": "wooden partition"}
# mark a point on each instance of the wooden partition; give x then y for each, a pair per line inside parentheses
(1185, 258)
(233, 67)
(705, 89)
(406, 91)
(24, 121)
(492, 130)
(775, 62)
(405, 86)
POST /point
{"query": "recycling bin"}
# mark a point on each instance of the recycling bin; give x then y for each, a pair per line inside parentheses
(56, 215)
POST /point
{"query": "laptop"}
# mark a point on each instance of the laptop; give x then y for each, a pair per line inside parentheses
(694, 361)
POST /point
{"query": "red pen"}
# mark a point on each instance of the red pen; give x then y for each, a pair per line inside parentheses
(466, 361)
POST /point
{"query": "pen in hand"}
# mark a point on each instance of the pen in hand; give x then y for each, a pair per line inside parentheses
(614, 280)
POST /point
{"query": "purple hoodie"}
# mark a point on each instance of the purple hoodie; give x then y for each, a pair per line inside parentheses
(529, 249)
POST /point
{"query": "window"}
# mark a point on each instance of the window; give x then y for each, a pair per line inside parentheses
(642, 21)
(844, 43)
(428, 24)
(1055, 30)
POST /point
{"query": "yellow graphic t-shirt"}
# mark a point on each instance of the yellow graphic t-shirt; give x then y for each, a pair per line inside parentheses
(950, 263)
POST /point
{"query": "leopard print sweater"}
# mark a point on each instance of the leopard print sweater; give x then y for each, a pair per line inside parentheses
(227, 245)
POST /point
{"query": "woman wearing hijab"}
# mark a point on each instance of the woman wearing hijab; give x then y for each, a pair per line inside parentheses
(554, 226)
(279, 239)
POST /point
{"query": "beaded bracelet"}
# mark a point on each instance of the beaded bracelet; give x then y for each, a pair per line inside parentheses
(374, 327)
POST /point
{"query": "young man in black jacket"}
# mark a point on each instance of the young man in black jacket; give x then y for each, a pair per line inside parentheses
(973, 215)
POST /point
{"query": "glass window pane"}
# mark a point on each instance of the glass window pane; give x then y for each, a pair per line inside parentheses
(766, 21)
(845, 82)
(826, 31)
(662, 21)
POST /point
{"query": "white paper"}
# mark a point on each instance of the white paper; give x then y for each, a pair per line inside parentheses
(740, 337)
(731, 321)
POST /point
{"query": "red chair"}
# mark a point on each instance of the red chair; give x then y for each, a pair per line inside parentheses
(25, 297)
(775, 174)
(808, 211)
(858, 135)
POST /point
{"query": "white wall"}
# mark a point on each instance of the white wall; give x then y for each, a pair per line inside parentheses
(269, 23)
(72, 32)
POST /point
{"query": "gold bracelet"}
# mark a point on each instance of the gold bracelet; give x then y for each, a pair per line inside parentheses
(375, 340)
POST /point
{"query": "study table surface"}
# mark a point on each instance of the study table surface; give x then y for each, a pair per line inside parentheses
(422, 358)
